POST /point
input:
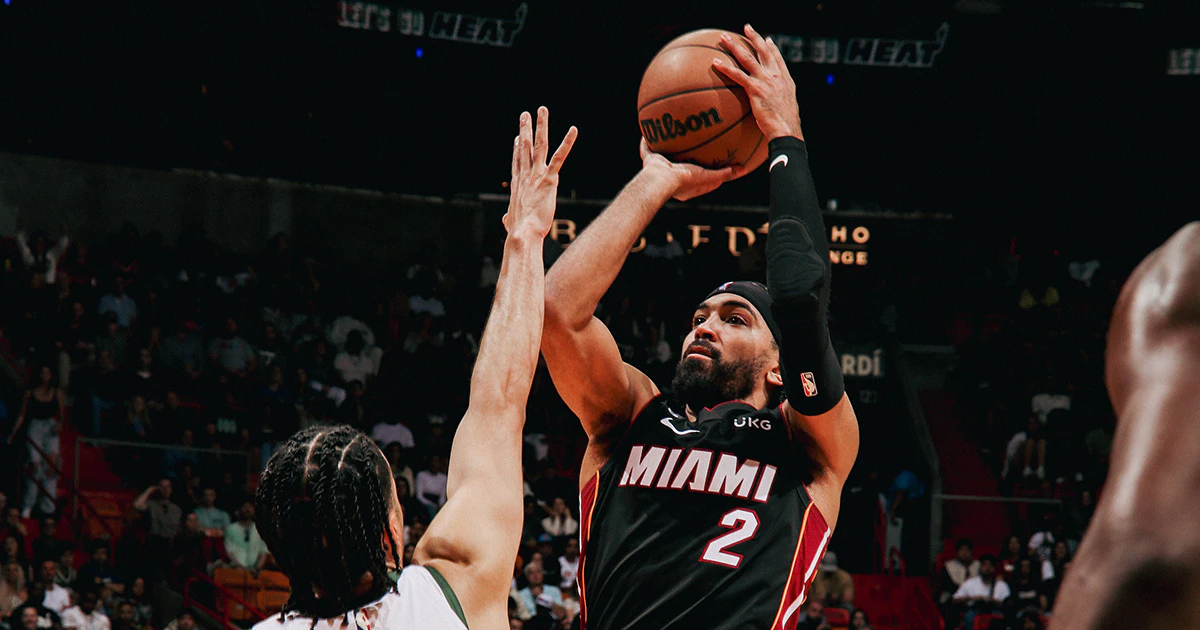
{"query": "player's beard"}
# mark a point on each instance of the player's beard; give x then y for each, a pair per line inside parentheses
(700, 384)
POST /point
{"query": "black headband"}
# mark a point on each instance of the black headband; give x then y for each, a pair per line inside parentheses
(756, 294)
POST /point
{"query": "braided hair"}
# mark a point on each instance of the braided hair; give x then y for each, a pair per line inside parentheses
(323, 512)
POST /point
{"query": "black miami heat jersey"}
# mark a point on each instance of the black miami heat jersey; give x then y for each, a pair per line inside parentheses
(699, 525)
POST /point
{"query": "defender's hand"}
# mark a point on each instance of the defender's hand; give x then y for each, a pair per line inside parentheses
(533, 190)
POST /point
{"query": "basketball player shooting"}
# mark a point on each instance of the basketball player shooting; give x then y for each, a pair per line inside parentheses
(1138, 565)
(327, 505)
(711, 507)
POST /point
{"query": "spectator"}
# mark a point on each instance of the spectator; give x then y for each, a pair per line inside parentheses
(227, 428)
(45, 409)
(1078, 516)
(833, 586)
(984, 593)
(1041, 543)
(137, 427)
(560, 523)
(392, 430)
(164, 518)
(46, 546)
(812, 615)
(242, 542)
(14, 526)
(28, 617)
(230, 354)
(36, 599)
(75, 338)
(1026, 587)
(1012, 551)
(355, 362)
(431, 484)
(108, 387)
(537, 593)
(111, 339)
(397, 457)
(124, 617)
(176, 459)
(97, 574)
(1055, 568)
(143, 611)
(182, 356)
(119, 304)
(568, 566)
(13, 551)
(279, 416)
(56, 597)
(1050, 396)
(146, 380)
(41, 258)
(903, 497)
(12, 588)
(409, 504)
(85, 616)
(859, 620)
(65, 574)
(190, 554)
(212, 519)
(958, 569)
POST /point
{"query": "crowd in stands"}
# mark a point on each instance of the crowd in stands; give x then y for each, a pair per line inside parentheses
(1030, 386)
(217, 358)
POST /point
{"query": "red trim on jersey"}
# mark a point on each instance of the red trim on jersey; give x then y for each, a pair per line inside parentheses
(587, 503)
(810, 548)
(727, 402)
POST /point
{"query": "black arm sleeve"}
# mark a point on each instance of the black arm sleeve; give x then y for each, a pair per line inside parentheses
(798, 278)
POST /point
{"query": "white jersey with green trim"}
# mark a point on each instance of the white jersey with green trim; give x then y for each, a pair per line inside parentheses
(422, 599)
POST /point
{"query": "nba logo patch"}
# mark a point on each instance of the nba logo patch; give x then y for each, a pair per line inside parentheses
(810, 384)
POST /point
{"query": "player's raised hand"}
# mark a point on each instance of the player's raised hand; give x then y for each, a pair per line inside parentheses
(533, 190)
(687, 180)
(768, 84)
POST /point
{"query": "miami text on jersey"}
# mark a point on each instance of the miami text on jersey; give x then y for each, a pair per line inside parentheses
(697, 470)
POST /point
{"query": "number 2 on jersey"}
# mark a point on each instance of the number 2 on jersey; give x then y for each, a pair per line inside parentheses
(745, 524)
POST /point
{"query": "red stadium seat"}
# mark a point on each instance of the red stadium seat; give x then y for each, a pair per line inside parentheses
(837, 617)
(982, 621)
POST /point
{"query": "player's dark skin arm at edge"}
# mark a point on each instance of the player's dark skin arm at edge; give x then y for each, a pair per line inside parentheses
(1139, 562)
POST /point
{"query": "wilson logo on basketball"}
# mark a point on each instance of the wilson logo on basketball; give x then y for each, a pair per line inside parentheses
(668, 127)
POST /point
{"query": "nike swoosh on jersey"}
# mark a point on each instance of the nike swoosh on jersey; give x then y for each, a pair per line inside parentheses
(667, 423)
(782, 159)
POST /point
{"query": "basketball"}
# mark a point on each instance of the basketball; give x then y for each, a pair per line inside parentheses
(689, 112)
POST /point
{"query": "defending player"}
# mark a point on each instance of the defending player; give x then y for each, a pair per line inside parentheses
(1138, 565)
(710, 508)
(327, 505)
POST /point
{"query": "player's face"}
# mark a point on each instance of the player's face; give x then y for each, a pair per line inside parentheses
(727, 355)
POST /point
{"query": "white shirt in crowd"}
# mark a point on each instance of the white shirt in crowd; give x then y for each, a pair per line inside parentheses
(433, 306)
(355, 367)
(974, 587)
(564, 525)
(1043, 403)
(74, 617)
(959, 572)
(429, 484)
(53, 254)
(568, 569)
(57, 599)
(385, 434)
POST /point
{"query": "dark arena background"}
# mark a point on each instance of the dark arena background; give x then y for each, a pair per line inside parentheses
(262, 178)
